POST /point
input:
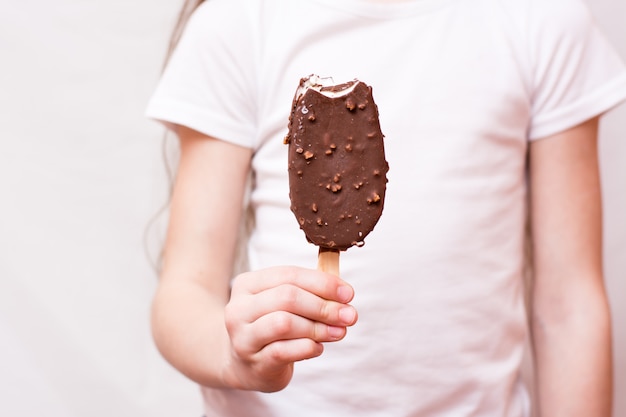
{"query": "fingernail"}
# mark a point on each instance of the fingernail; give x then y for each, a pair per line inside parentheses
(344, 293)
(336, 332)
(347, 315)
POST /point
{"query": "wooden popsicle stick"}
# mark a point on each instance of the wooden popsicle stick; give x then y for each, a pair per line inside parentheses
(328, 261)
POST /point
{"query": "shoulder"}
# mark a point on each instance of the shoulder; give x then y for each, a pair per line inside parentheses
(223, 28)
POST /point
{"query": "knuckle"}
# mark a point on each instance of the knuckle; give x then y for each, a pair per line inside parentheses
(238, 347)
(325, 310)
(282, 324)
(238, 283)
(229, 317)
(232, 314)
(288, 296)
(277, 352)
(319, 332)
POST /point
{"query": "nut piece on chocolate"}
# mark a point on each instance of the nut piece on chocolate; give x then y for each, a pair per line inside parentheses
(337, 166)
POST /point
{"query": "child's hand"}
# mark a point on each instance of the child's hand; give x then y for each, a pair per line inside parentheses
(279, 316)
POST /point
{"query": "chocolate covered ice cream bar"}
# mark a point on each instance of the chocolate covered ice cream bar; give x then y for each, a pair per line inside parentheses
(337, 166)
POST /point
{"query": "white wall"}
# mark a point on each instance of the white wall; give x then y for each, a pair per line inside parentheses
(80, 177)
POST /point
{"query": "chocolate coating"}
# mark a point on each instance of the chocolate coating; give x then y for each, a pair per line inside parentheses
(337, 167)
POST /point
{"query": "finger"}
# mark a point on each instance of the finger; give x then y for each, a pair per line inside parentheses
(281, 325)
(288, 351)
(324, 285)
(295, 300)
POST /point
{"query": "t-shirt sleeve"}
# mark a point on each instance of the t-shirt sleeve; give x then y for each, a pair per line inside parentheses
(208, 82)
(576, 74)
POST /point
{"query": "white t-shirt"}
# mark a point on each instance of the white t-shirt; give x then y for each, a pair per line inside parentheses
(461, 87)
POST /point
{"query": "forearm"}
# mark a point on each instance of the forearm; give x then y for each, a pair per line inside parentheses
(189, 331)
(571, 317)
(572, 346)
(205, 212)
